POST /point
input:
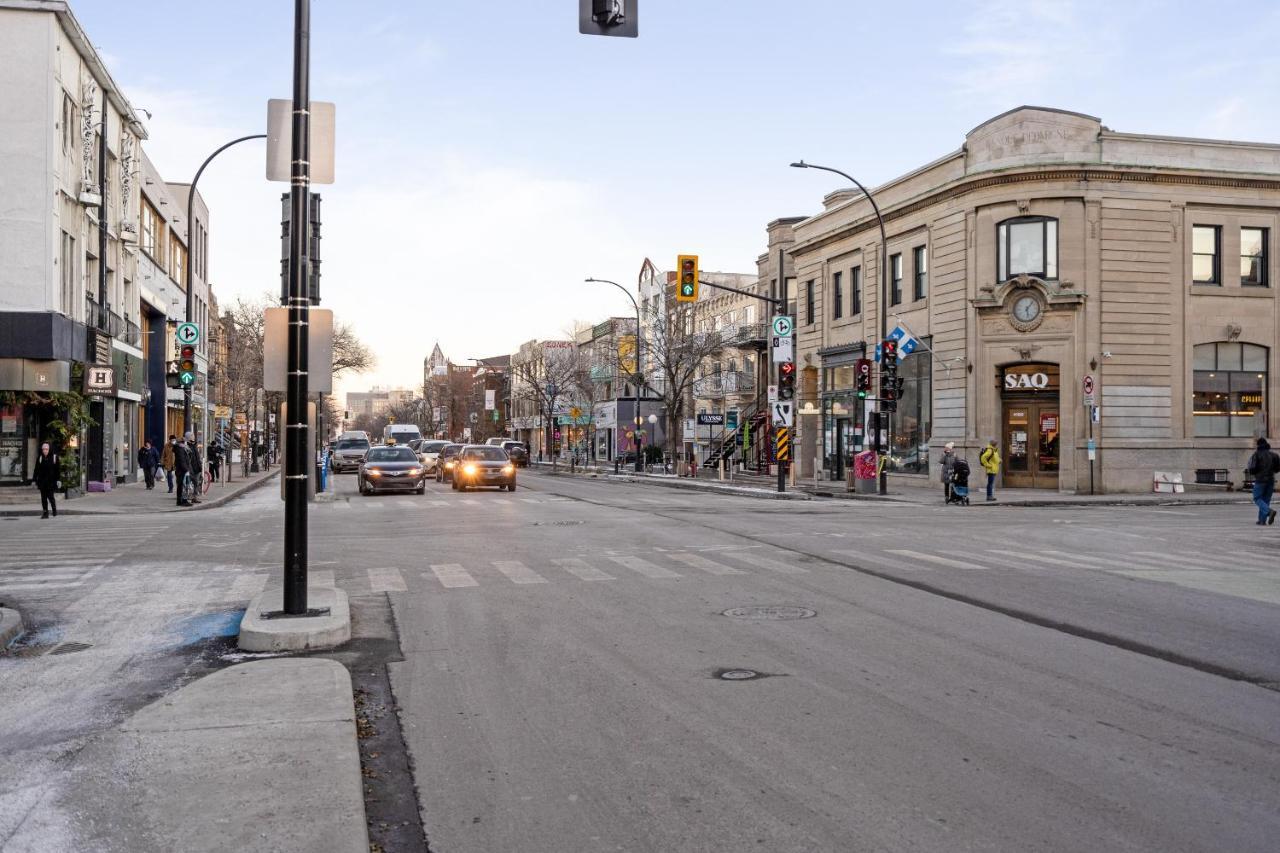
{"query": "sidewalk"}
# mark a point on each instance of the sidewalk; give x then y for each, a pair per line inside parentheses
(700, 484)
(131, 498)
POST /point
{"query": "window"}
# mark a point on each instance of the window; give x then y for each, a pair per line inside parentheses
(913, 420)
(151, 232)
(808, 302)
(855, 291)
(1027, 245)
(837, 295)
(1205, 241)
(68, 124)
(68, 261)
(895, 279)
(1253, 257)
(1230, 388)
(178, 260)
(920, 266)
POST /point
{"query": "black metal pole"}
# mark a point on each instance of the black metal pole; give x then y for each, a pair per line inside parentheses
(782, 309)
(884, 296)
(295, 432)
(192, 250)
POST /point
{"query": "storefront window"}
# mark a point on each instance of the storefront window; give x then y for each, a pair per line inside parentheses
(1230, 382)
(12, 444)
(913, 421)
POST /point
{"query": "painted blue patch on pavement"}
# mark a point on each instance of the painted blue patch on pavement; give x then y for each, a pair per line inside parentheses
(221, 623)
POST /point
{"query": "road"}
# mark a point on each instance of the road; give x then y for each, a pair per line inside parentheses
(988, 679)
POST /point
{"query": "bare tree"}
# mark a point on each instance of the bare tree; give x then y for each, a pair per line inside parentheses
(546, 379)
(350, 354)
(673, 353)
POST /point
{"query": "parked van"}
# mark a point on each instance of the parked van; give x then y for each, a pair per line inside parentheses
(400, 433)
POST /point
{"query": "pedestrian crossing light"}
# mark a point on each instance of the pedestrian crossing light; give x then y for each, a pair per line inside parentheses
(688, 283)
(862, 374)
(187, 366)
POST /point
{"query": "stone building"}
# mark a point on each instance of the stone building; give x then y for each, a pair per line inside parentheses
(1048, 257)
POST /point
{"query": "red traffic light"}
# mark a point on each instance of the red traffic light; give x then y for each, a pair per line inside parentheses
(786, 369)
(889, 350)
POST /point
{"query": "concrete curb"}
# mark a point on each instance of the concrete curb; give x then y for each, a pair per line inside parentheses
(1112, 501)
(297, 633)
(11, 627)
(210, 503)
(689, 485)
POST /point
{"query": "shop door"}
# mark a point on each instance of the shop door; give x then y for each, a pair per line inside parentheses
(844, 447)
(1031, 444)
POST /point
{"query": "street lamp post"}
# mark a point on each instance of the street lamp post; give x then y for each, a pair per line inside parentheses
(191, 252)
(884, 290)
(640, 383)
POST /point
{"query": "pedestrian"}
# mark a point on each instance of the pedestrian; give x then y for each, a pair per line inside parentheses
(147, 462)
(215, 461)
(948, 465)
(989, 459)
(182, 470)
(48, 472)
(167, 460)
(1263, 466)
(197, 468)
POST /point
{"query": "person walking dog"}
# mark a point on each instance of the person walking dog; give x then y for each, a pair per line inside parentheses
(48, 472)
(1263, 465)
(989, 459)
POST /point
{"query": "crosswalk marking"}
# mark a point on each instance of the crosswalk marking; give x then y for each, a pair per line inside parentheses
(644, 567)
(762, 562)
(407, 502)
(518, 572)
(436, 503)
(930, 558)
(452, 575)
(386, 580)
(579, 568)
(248, 585)
(320, 577)
(1201, 562)
(1053, 561)
(470, 502)
(531, 500)
(698, 561)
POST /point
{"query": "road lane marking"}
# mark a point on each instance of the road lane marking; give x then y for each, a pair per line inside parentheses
(452, 575)
(320, 577)
(644, 567)
(436, 503)
(941, 561)
(698, 561)
(518, 572)
(580, 569)
(408, 503)
(1203, 563)
(763, 562)
(247, 586)
(1036, 558)
(386, 580)
(531, 500)
(469, 502)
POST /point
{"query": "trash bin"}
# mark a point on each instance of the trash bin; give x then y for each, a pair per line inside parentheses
(865, 472)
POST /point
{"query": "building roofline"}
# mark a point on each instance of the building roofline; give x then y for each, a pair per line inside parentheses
(1032, 107)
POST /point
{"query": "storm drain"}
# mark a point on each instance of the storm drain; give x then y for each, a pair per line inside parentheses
(770, 612)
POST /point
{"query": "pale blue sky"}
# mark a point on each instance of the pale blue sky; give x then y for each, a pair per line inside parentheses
(497, 160)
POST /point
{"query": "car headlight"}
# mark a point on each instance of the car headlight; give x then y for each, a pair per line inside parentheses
(413, 472)
(372, 472)
(469, 469)
(450, 464)
(508, 469)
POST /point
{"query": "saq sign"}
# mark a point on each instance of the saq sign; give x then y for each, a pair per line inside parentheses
(1030, 378)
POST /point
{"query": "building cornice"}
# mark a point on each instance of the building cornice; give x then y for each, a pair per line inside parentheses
(1082, 173)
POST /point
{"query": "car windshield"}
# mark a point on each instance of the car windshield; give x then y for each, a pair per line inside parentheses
(451, 450)
(486, 454)
(391, 454)
(353, 444)
(433, 446)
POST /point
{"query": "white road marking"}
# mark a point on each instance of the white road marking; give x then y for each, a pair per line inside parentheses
(436, 503)
(698, 561)
(941, 561)
(452, 575)
(580, 569)
(410, 504)
(531, 500)
(386, 580)
(469, 502)
(518, 572)
(644, 567)
(1205, 563)
(1036, 558)
(763, 562)
(320, 577)
(247, 586)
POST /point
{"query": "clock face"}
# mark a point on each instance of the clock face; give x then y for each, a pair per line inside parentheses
(1026, 309)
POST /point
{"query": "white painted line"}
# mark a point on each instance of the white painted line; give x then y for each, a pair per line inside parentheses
(698, 561)
(247, 586)
(531, 500)
(580, 569)
(42, 576)
(320, 577)
(763, 562)
(518, 572)
(469, 502)
(1037, 558)
(387, 580)
(644, 567)
(436, 503)
(452, 575)
(341, 505)
(650, 501)
(941, 561)
(38, 587)
(1206, 563)
(407, 503)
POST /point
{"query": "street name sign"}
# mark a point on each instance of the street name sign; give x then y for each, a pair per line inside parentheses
(188, 333)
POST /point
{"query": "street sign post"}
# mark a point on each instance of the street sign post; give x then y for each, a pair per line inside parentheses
(773, 394)
(188, 333)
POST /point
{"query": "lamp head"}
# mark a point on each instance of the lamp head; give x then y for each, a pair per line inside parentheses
(800, 164)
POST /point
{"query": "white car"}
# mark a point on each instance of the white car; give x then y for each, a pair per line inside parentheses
(429, 452)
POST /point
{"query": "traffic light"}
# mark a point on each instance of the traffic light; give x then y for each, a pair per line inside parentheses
(862, 377)
(608, 18)
(890, 384)
(889, 353)
(787, 380)
(187, 366)
(687, 285)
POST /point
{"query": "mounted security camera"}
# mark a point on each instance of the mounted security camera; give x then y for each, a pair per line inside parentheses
(1107, 354)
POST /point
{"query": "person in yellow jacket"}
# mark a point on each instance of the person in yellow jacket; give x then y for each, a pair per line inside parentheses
(989, 458)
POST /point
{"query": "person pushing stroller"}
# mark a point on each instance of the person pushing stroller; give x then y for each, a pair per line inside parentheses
(959, 482)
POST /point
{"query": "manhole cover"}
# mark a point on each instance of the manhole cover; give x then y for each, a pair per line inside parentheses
(776, 612)
(737, 674)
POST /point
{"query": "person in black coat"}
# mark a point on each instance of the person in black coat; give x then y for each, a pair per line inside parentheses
(148, 461)
(48, 472)
(182, 472)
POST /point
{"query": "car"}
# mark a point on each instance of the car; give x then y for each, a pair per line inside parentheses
(481, 466)
(518, 452)
(445, 462)
(429, 452)
(391, 469)
(497, 441)
(348, 453)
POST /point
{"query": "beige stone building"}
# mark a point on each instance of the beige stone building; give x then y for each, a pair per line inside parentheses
(1046, 256)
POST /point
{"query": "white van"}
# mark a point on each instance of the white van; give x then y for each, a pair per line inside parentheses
(400, 433)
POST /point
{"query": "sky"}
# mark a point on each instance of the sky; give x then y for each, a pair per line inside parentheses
(490, 158)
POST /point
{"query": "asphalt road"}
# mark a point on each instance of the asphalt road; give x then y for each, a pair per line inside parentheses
(1008, 679)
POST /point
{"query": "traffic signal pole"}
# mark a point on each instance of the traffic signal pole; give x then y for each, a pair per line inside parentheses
(782, 309)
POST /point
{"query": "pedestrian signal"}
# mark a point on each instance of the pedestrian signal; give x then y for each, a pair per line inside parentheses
(187, 366)
(687, 284)
(862, 377)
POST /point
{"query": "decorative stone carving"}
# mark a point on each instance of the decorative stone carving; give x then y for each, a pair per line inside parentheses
(1233, 331)
(128, 172)
(89, 195)
(1026, 351)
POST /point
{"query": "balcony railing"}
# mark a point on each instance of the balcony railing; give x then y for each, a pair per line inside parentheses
(747, 334)
(719, 384)
(102, 318)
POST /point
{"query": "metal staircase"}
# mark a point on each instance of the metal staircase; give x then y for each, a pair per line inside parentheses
(726, 441)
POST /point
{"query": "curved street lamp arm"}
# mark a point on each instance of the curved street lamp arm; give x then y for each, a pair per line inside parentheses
(634, 304)
(875, 207)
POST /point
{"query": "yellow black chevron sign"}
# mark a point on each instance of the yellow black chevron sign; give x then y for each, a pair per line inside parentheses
(782, 444)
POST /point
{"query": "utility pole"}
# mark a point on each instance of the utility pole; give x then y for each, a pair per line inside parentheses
(782, 310)
(295, 426)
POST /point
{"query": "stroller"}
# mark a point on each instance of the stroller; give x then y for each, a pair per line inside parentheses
(959, 482)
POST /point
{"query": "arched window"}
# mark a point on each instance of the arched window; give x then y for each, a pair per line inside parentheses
(1027, 245)
(1230, 389)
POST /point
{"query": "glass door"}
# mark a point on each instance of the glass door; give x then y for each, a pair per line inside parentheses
(1032, 441)
(1017, 445)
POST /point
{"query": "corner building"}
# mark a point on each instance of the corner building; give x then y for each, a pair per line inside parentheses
(1048, 249)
